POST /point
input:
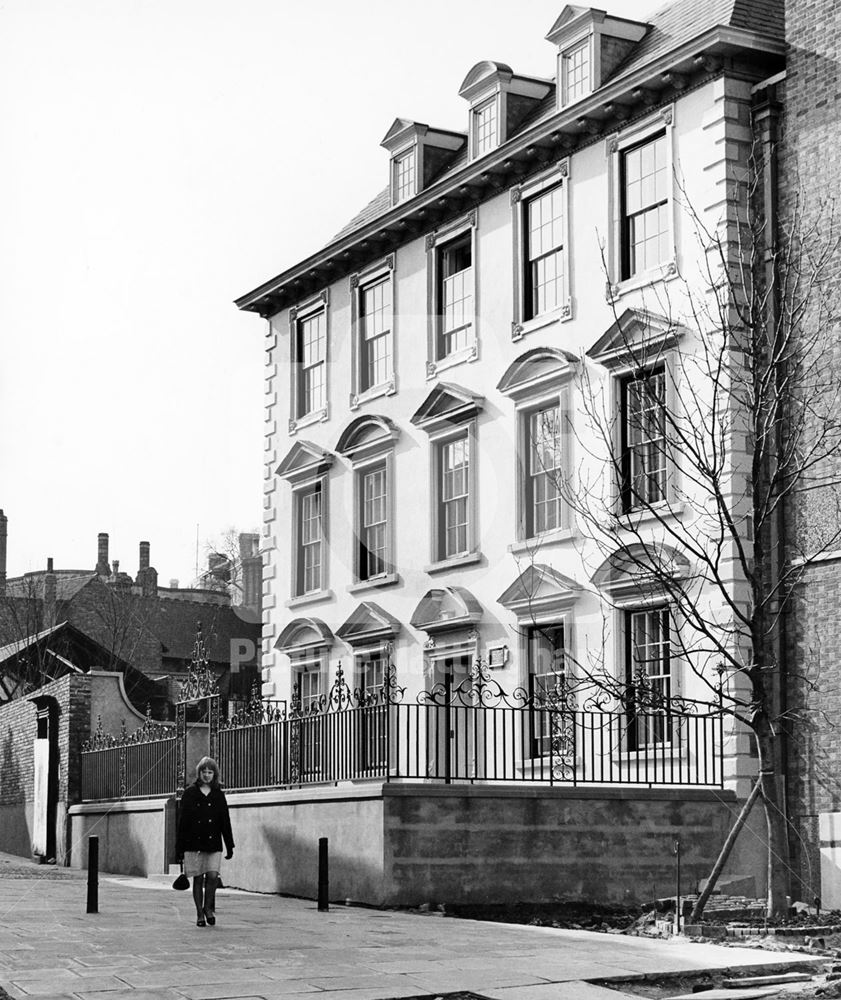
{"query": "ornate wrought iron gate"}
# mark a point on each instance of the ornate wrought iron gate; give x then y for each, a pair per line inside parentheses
(200, 686)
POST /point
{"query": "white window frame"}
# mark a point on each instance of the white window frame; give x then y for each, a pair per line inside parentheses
(298, 315)
(436, 243)
(525, 501)
(467, 431)
(299, 596)
(585, 42)
(374, 450)
(493, 102)
(615, 149)
(400, 157)
(528, 672)
(521, 196)
(627, 640)
(626, 451)
(362, 393)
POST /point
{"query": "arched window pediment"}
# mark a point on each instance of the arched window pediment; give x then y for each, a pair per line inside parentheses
(443, 609)
(304, 633)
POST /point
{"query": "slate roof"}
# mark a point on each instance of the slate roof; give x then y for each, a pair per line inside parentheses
(68, 583)
(175, 623)
(680, 22)
(670, 27)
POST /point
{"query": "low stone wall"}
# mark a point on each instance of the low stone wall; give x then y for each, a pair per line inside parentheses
(136, 837)
(407, 844)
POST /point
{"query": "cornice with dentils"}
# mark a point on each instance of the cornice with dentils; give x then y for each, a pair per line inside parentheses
(604, 111)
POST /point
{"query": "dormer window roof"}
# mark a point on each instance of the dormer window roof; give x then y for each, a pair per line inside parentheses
(591, 46)
(418, 155)
(499, 102)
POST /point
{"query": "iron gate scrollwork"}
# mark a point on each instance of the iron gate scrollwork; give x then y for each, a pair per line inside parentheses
(201, 684)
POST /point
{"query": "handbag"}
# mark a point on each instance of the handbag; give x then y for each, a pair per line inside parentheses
(182, 882)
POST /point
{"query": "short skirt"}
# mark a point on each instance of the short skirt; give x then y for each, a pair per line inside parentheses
(201, 862)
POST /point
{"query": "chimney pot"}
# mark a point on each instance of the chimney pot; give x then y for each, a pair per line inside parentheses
(144, 555)
(50, 564)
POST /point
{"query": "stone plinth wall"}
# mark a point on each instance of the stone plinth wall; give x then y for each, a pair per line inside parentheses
(412, 844)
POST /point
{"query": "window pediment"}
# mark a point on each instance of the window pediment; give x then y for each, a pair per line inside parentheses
(638, 339)
(536, 370)
(540, 592)
(367, 436)
(367, 624)
(304, 634)
(636, 573)
(446, 608)
(303, 461)
(447, 404)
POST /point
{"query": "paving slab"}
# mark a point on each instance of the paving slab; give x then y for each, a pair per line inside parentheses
(144, 945)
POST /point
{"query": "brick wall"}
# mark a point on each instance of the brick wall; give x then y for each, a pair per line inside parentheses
(810, 171)
(17, 734)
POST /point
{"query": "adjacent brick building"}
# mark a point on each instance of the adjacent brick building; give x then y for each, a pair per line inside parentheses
(809, 101)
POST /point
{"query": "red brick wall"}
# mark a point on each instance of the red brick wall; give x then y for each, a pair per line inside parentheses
(17, 733)
(810, 171)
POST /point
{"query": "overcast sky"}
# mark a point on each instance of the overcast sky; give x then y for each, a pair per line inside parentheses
(160, 158)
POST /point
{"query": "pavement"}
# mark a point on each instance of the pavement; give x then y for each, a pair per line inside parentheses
(143, 945)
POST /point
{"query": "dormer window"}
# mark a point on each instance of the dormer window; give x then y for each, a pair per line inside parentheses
(500, 102)
(403, 176)
(575, 68)
(418, 156)
(485, 128)
(592, 45)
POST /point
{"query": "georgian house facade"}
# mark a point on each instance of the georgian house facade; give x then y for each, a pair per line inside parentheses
(440, 378)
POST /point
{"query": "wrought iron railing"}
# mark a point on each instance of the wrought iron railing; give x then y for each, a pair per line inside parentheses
(141, 763)
(473, 732)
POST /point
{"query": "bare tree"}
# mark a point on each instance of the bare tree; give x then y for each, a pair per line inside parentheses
(728, 410)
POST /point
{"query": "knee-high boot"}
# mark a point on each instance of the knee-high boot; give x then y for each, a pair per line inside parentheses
(198, 899)
(210, 882)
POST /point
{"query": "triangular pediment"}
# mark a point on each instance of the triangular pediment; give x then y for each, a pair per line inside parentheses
(568, 20)
(638, 337)
(447, 403)
(540, 592)
(304, 460)
(640, 570)
(368, 623)
(445, 608)
(536, 370)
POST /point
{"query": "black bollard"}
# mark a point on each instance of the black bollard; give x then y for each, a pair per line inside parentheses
(93, 874)
(323, 880)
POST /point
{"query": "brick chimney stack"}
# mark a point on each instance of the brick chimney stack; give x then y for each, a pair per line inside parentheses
(251, 565)
(49, 595)
(147, 576)
(102, 566)
(4, 523)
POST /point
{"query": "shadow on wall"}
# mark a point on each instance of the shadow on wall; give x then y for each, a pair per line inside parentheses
(288, 863)
(15, 828)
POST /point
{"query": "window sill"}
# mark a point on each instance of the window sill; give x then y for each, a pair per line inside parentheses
(316, 417)
(466, 354)
(561, 314)
(455, 562)
(662, 272)
(375, 392)
(658, 512)
(530, 546)
(386, 580)
(313, 598)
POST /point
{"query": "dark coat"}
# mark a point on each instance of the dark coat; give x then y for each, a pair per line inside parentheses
(203, 821)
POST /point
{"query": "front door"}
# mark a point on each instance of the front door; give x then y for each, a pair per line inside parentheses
(449, 720)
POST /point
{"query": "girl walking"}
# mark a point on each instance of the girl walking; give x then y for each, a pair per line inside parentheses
(204, 822)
